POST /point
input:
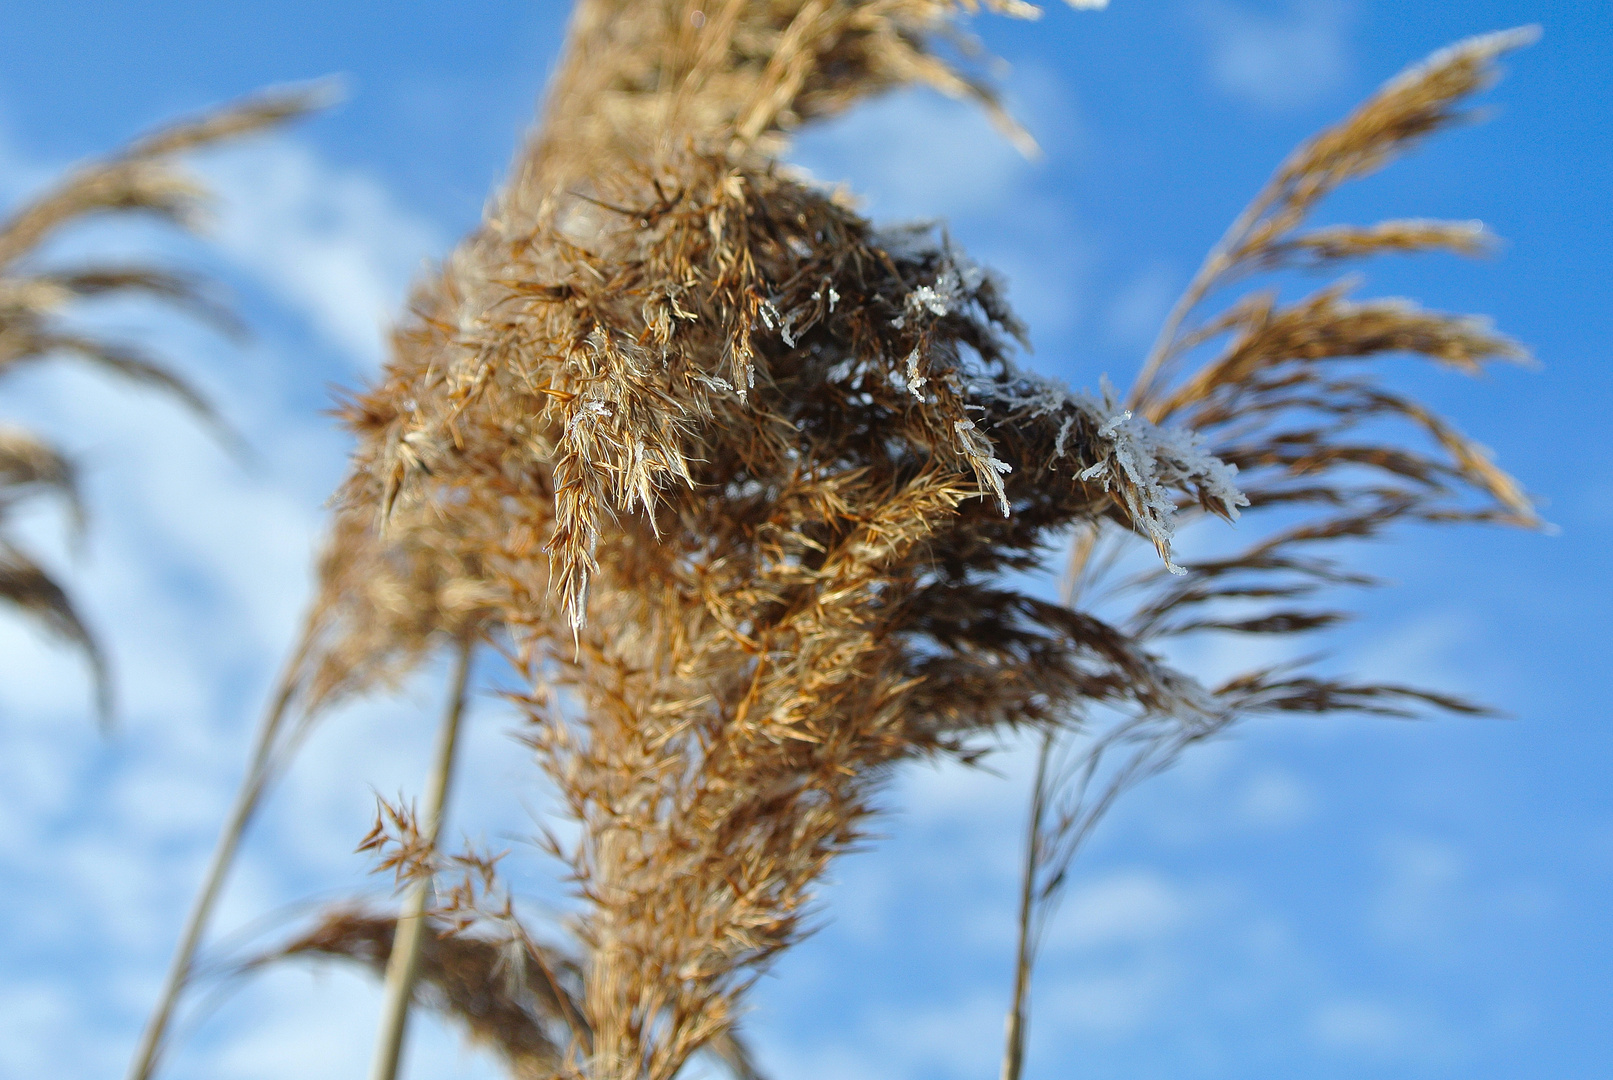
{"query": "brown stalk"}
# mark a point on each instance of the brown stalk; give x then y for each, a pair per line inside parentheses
(1024, 949)
(148, 1053)
(404, 963)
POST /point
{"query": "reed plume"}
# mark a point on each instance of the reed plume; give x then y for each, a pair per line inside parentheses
(37, 304)
(1290, 395)
(740, 474)
(738, 482)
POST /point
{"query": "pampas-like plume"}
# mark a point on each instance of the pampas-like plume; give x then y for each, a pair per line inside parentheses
(1285, 402)
(738, 472)
(142, 178)
(734, 478)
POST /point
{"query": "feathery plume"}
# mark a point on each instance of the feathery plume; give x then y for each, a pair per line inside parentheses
(1292, 404)
(34, 299)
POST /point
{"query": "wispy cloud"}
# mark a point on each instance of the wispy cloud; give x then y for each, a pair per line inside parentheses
(195, 572)
(1140, 306)
(1277, 60)
(331, 241)
(1380, 1031)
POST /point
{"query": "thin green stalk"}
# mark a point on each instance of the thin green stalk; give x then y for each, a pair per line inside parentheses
(404, 963)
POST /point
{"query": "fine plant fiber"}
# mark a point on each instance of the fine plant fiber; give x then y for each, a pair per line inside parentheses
(1290, 395)
(37, 306)
(739, 485)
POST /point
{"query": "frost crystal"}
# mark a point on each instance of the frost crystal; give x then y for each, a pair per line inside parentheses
(989, 469)
(1146, 468)
(915, 381)
(957, 278)
(955, 286)
(1138, 461)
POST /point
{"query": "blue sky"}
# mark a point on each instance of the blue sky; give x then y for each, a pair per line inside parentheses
(1326, 898)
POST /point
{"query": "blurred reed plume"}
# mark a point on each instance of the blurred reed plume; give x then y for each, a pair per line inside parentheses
(739, 485)
(1289, 395)
(37, 300)
(513, 995)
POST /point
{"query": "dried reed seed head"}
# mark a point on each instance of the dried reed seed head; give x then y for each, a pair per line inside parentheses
(496, 990)
(736, 75)
(512, 995)
(1418, 101)
(29, 463)
(34, 300)
(25, 586)
(768, 435)
(737, 473)
(383, 600)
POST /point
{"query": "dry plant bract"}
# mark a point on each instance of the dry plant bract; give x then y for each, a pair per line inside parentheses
(38, 299)
(510, 993)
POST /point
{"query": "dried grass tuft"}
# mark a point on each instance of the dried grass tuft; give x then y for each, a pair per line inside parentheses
(511, 994)
(36, 304)
(501, 992)
(1291, 396)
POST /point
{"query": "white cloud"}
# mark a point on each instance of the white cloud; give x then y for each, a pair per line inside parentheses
(1432, 649)
(1275, 800)
(1277, 61)
(1359, 1025)
(1378, 1030)
(1124, 907)
(195, 574)
(1136, 311)
(916, 155)
(1112, 1005)
(1423, 893)
(331, 241)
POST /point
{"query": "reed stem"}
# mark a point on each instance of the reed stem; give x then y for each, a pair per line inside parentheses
(247, 797)
(1024, 959)
(404, 963)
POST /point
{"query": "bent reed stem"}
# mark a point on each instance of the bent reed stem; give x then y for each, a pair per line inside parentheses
(404, 964)
(1024, 960)
(247, 798)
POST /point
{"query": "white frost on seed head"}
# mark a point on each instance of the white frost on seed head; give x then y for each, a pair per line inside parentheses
(957, 280)
(989, 469)
(915, 380)
(1141, 463)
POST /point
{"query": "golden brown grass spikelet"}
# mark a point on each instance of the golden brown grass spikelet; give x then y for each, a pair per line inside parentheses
(1420, 100)
(34, 300)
